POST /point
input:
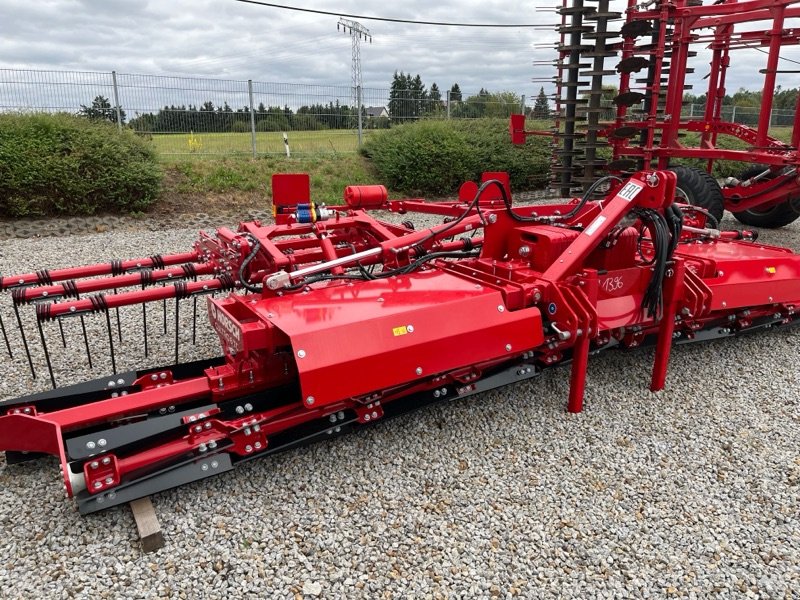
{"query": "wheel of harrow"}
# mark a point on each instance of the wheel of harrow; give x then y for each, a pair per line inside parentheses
(771, 218)
(697, 187)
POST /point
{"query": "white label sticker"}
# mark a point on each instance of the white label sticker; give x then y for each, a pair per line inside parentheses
(594, 225)
(630, 191)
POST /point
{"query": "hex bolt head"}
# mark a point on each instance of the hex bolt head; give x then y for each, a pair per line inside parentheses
(310, 400)
(107, 460)
(248, 407)
(97, 485)
(94, 464)
(204, 466)
(248, 448)
(418, 371)
(240, 410)
(109, 480)
(90, 445)
(214, 464)
(301, 354)
(508, 347)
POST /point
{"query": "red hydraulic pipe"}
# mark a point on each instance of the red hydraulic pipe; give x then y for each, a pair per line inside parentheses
(117, 267)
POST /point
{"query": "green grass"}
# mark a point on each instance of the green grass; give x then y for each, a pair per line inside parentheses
(329, 174)
(329, 141)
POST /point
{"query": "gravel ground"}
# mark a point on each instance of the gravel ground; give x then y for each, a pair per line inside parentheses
(689, 492)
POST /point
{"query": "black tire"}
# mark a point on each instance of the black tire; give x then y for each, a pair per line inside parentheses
(698, 188)
(775, 216)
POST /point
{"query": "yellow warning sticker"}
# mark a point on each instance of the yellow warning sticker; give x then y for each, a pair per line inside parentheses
(400, 330)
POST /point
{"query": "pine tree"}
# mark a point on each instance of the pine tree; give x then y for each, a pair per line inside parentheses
(101, 110)
(455, 93)
(541, 109)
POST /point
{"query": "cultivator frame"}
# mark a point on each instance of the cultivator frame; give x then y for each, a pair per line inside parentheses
(648, 59)
(336, 320)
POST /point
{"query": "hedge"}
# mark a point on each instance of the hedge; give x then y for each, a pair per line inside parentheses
(61, 164)
(436, 157)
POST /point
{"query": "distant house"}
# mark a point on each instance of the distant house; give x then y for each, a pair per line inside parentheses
(374, 112)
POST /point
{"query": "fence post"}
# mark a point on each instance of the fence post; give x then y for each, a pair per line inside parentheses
(116, 99)
(733, 114)
(522, 104)
(358, 108)
(771, 111)
(252, 117)
(691, 110)
(448, 104)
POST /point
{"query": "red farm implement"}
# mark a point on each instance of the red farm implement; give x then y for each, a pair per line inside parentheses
(647, 59)
(336, 320)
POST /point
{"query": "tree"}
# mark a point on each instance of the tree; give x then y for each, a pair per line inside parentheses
(455, 93)
(541, 109)
(434, 104)
(101, 110)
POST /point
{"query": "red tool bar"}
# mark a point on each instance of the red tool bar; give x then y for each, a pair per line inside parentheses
(90, 286)
(101, 302)
(114, 267)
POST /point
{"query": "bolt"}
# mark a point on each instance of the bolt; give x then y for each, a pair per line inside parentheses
(214, 464)
(256, 427)
(501, 308)
(310, 400)
(97, 485)
(724, 304)
(239, 410)
(524, 251)
(257, 445)
(107, 460)
(154, 377)
(111, 384)
(163, 376)
(212, 444)
(444, 391)
(418, 371)
(109, 480)
(120, 381)
(332, 418)
(247, 431)
(248, 407)
(248, 448)
(301, 354)
(508, 347)
(202, 447)
(366, 417)
(192, 419)
(410, 329)
(207, 425)
(492, 218)
(94, 464)
(204, 466)
(90, 445)
(374, 415)
(340, 414)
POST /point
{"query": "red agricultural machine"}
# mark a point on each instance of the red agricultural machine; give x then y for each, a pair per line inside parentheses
(332, 319)
(337, 320)
(646, 59)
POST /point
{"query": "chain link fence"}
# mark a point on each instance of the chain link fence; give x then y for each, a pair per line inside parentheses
(193, 116)
(196, 117)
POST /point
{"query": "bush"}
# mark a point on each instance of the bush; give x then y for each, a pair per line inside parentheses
(68, 165)
(436, 157)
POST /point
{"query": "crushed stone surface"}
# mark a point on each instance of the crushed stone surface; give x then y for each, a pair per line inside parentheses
(690, 492)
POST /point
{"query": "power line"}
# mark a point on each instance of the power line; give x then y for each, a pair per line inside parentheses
(386, 19)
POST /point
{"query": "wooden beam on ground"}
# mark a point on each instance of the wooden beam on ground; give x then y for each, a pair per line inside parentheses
(147, 524)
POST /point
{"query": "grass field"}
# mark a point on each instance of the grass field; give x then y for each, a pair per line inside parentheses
(300, 142)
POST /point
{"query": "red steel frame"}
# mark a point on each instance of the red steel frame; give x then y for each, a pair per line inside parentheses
(533, 287)
(712, 26)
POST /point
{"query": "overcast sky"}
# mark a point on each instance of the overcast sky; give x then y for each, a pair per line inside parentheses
(228, 39)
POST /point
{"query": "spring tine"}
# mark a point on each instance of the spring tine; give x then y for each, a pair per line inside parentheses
(119, 323)
(194, 320)
(86, 342)
(5, 336)
(165, 312)
(144, 323)
(177, 305)
(46, 353)
(61, 329)
(24, 341)
(111, 343)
